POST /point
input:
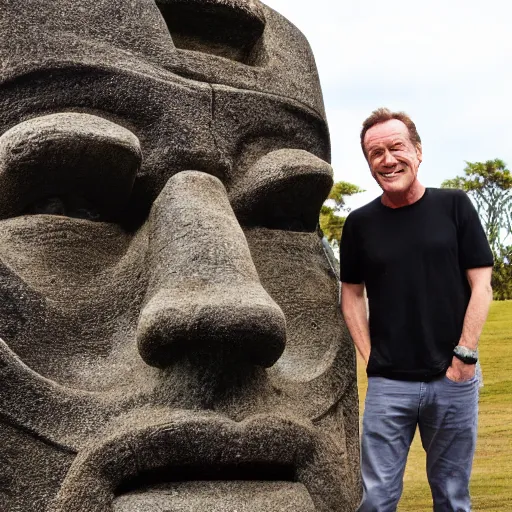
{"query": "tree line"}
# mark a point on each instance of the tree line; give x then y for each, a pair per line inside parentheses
(488, 184)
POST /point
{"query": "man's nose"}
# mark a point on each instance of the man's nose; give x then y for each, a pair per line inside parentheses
(204, 294)
(389, 158)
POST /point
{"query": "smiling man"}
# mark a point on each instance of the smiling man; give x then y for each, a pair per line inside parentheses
(424, 259)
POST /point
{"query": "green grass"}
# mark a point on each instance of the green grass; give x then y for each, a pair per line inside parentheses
(491, 482)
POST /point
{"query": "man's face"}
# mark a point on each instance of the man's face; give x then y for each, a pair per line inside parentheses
(392, 157)
(169, 321)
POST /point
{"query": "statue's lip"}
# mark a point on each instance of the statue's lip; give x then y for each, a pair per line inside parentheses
(189, 439)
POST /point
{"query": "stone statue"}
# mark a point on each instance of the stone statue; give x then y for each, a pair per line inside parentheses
(170, 332)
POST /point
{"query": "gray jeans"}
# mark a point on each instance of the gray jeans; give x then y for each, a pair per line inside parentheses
(446, 413)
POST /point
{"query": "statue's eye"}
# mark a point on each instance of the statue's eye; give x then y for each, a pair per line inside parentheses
(225, 28)
(282, 190)
(77, 165)
(69, 206)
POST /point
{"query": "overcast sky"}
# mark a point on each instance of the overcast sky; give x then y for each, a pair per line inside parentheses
(447, 63)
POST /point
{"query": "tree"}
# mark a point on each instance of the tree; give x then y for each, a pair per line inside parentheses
(502, 274)
(331, 222)
(489, 184)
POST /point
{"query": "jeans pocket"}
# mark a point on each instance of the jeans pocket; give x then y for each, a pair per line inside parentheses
(472, 380)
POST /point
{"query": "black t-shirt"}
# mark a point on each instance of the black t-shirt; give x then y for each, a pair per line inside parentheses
(412, 261)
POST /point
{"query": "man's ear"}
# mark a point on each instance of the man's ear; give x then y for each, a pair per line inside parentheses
(419, 153)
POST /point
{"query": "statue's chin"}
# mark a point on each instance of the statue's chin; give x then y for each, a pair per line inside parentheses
(218, 495)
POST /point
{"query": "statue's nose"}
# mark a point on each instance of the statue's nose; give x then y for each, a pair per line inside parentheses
(204, 295)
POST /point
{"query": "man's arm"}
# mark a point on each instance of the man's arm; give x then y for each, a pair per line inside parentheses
(353, 307)
(481, 297)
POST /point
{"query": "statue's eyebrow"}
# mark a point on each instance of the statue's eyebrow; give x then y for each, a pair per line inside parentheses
(225, 28)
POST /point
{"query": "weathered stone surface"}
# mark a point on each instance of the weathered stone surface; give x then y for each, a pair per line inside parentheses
(242, 496)
(170, 333)
(67, 156)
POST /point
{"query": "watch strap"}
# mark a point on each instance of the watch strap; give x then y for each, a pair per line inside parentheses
(465, 354)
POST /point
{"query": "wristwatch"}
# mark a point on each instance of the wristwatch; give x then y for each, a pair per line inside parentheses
(465, 354)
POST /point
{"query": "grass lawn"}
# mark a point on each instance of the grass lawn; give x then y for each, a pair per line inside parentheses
(491, 483)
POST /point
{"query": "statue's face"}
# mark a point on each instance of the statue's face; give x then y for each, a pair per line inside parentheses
(171, 338)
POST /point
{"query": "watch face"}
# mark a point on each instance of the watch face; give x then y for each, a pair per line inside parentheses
(171, 335)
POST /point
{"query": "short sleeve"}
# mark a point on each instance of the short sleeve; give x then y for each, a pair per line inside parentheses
(351, 270)
(474, 250)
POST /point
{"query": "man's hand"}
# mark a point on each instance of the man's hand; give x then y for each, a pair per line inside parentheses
(459, 371)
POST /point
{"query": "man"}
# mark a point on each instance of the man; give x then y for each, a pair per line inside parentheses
(424, 259)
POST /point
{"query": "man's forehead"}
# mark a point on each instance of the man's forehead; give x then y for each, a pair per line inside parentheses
(387, 132)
